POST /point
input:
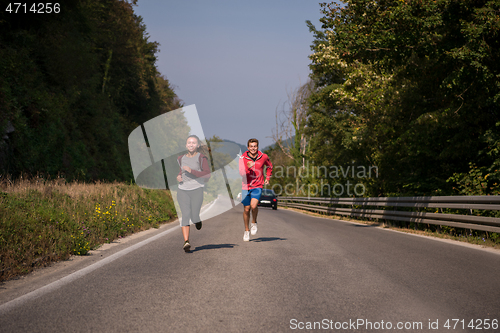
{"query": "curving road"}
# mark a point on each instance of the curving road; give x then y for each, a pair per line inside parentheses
(298, 273)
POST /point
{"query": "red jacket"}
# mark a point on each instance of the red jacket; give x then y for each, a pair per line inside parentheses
(254, 177)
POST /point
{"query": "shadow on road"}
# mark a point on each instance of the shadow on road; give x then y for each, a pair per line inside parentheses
(266, 239)
(213, 246)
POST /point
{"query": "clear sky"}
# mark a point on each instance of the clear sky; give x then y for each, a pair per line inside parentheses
(234, 59)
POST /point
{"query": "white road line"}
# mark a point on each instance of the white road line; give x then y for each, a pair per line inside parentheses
(210, 207)
(449, 241)
(6, 307)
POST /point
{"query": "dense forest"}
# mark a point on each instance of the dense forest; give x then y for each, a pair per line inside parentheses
(408, 88)
(73, 85)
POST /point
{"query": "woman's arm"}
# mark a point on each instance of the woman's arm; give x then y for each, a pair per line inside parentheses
(205, 169)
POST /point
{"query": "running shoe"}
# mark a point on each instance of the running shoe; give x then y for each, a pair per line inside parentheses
(198, 225)
(246, 236)
(253, 229)
(186, 246)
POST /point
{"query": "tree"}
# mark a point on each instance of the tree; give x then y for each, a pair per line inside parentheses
(410, 86)
(290, 136)
(291, 122)
(73, 86)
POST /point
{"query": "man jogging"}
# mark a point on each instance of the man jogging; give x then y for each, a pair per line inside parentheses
(251, 168)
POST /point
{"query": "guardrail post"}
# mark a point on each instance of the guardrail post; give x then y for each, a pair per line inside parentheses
(415, 224)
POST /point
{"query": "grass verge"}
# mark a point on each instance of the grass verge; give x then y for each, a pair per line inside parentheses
(43, 221)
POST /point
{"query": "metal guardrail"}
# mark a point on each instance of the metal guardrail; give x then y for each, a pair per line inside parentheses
(366, 208)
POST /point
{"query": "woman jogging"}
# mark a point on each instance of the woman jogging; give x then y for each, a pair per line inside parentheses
(194, 172)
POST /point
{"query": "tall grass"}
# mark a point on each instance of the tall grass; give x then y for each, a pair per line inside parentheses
(47, 220)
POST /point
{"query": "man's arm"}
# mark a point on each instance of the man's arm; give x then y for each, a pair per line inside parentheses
(269, 169)
(242, 167)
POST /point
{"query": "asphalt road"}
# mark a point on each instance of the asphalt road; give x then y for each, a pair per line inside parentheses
(297, 271)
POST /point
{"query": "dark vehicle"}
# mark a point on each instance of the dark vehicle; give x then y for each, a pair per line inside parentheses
(268, 199)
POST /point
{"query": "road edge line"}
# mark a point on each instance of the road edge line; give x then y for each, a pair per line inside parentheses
(10, 305)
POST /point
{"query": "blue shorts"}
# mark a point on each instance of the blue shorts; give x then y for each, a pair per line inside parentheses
(248, 195)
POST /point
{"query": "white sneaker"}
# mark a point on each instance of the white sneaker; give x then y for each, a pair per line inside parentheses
(246, 236)
(253, 229)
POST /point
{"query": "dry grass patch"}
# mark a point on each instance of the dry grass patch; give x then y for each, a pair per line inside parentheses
(45, 220)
